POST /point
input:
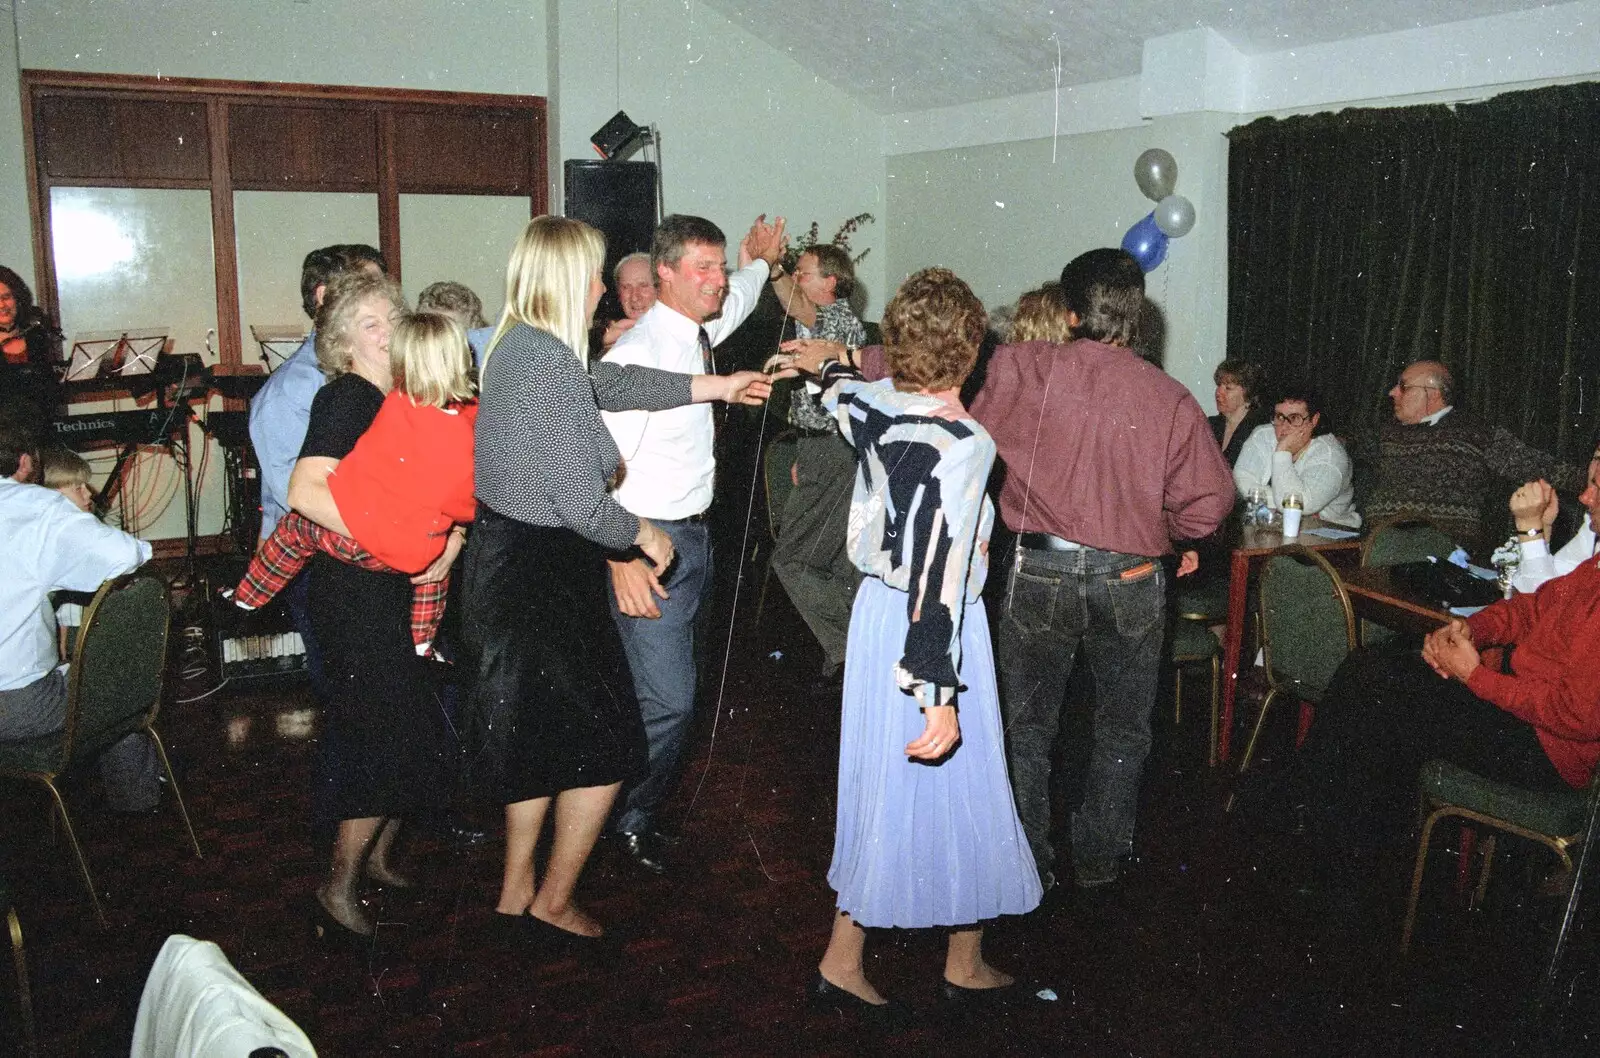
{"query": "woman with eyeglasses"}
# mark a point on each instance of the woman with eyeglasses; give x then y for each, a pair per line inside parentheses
(1295, 453)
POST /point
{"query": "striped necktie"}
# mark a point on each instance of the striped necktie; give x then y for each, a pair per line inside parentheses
(705, 352)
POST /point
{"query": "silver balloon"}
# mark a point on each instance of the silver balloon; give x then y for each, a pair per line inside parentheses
(1175, 216)
(1156, 172)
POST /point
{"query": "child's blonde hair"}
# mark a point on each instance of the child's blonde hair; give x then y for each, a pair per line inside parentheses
(61, 468)
(431, 360)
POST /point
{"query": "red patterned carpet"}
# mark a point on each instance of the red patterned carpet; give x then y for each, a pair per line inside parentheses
(1210, 952)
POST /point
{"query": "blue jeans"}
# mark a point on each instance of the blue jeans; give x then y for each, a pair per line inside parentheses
(661, 658)
(1115, 605)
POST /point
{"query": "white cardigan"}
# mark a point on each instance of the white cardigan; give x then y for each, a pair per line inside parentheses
(1321, 475)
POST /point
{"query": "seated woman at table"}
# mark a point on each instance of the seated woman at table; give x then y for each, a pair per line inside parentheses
(1239, 410)
(1534, 507)
(1295, 454)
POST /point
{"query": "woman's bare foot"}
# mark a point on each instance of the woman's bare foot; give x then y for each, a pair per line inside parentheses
(345, 911)
(853, 981)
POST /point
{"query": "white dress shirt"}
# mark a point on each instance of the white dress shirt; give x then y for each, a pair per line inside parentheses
(668, 455)
(1538, 565)
(49, 544)
(1321, 474)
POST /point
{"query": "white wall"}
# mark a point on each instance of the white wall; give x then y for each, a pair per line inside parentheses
(745, 130)
(948, 168)
(1006, 217)
(481, 46)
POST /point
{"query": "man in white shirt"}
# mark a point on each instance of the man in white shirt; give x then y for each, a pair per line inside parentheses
(51, 545)
(1534, 507)
(669, 471)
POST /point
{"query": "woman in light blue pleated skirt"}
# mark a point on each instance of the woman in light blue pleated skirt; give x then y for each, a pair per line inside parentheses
(927, 832)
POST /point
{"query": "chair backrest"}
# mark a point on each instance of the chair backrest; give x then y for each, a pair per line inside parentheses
(119, 665)
(1307, 624)
(1405, 539)
(775, 465)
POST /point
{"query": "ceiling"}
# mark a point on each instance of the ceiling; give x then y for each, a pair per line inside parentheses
(902, 55)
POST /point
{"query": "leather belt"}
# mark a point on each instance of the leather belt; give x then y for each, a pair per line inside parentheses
(1046, 542)
(693, 519)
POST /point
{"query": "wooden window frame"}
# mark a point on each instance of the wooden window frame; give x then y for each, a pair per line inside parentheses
(220, 97)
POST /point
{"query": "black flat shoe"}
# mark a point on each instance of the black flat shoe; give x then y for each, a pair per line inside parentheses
(530, 932)
(888, 1016)
(954, 997)
(325, 929)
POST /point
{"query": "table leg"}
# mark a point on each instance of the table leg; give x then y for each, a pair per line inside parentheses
(1232, 646)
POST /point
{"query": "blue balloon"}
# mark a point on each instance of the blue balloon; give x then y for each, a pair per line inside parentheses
(1147, 243)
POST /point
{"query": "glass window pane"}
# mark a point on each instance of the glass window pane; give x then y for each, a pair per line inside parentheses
(465, 238)
(274, 230)
(135, 259)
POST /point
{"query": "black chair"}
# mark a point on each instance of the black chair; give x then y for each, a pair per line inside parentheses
(1396, 540)
(1557, 820)
(114, 689)
(1307, 629)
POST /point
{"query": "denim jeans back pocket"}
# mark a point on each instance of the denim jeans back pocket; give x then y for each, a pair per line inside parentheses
(1138, 599)
(1032, 603)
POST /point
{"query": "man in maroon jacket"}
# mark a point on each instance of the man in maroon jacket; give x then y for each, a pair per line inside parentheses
(1108, 460)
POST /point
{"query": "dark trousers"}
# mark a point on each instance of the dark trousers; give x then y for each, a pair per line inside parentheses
(1115, 606)
(811, 558)
(662, 657)
(1384, 714)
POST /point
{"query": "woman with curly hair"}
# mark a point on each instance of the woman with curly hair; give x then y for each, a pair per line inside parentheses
(927, 832)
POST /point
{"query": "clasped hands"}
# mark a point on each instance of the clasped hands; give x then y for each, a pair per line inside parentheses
(1449, 651)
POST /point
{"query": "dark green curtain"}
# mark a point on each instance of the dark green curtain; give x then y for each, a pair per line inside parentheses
(1362, 240)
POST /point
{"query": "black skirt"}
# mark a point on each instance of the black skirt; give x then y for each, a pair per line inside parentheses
(384, 719)
(553, 706)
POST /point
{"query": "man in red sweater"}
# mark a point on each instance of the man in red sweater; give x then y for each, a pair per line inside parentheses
(1527, 714)
(1108, 461)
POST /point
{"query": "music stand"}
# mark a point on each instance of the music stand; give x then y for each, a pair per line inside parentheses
(277, 341)
(134, 352)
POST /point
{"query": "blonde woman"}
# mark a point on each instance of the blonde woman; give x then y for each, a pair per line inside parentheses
(380, 716)
(553, 718)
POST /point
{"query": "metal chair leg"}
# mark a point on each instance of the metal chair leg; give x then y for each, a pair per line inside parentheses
(177, 794)
(1416, 882)
(1216, 709)
(1483, 873)
(1177, 694)
(1255, 734)
(77, 851)
(30, 1041)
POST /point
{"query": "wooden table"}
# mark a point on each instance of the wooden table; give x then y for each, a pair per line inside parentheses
(1377, 596)
(1249, 548)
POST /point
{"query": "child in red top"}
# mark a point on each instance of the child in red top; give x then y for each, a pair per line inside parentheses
(404, 485)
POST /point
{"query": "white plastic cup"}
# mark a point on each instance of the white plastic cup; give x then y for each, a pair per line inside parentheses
(1291, 522)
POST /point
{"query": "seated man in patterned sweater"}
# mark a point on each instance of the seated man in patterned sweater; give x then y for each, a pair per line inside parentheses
(1439, 463)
